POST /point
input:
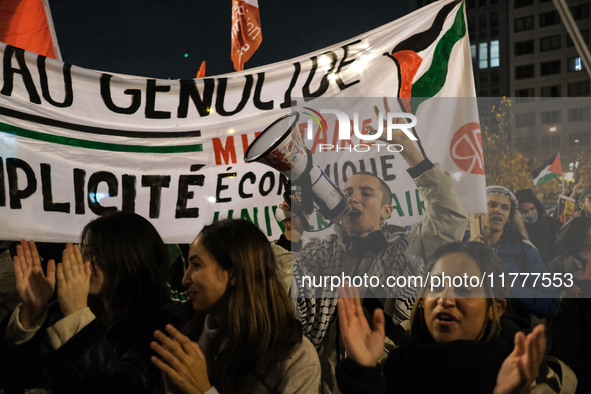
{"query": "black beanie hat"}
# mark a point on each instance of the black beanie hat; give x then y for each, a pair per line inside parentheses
(527, 195)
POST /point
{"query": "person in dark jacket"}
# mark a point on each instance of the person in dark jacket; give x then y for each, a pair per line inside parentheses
(541, 228)
(111, 296)
(458, 342)
(502, 229)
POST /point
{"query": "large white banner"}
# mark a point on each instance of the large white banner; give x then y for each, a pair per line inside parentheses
(75, 143)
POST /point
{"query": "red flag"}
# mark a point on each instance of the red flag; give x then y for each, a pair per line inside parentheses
(27, 24)
(201, 72)
(246, 31)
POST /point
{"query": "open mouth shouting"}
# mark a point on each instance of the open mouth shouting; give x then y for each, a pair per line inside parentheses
(354, 213)
(445, 319)
(496, 219)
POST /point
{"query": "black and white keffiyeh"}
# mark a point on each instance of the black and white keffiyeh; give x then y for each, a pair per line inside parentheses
(316, 306)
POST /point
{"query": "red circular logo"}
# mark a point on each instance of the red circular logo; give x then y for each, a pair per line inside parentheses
(466, 148)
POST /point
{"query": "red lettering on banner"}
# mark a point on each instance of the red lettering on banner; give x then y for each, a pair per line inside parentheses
(466, 149)
(227, 152)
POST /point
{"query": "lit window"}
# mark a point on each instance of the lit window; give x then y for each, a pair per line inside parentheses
(494, 53)
(575, 64)
(483, 55)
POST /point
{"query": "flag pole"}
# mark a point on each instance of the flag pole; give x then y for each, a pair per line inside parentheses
(573, 31)
(562, 183)
(562, 173)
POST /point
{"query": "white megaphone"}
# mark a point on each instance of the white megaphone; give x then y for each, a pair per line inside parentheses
(281, 146)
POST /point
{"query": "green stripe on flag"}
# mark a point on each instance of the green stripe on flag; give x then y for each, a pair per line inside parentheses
(56, 139)
(546, 177)
(434, 78)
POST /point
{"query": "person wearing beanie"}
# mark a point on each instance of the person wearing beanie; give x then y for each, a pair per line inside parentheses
(541, 228)
(503, 230)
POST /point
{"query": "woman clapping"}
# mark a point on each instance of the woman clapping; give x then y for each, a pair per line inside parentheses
(111, 296)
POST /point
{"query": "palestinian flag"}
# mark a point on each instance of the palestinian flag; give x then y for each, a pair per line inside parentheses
(27, 24)
(413, 88)
(549, 170)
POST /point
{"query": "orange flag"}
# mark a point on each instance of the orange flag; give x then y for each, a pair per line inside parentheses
(27, 24)
(246, 31)
(201, 72)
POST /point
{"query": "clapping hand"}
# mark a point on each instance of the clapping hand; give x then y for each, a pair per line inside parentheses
(34, 288)
(73, 279)
(521, 368)
(181, 361)
(364, 345)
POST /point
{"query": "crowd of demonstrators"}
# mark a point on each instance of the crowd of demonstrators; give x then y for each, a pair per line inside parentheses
(113, 325)
(111, 296)
(246, 337)
(363, 244)
(502, 229)
(112, 315)
(541, 228)
(459, 341)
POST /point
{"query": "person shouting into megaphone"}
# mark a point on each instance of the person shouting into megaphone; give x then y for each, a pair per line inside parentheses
(364, 245)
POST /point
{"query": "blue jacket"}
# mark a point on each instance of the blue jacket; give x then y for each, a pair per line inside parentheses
(522, 257)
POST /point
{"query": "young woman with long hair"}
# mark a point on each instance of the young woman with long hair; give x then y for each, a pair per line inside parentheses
(246, 338)
(458, 342)
(67, 346)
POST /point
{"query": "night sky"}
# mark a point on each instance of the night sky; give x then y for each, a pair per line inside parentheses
(151, 37)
